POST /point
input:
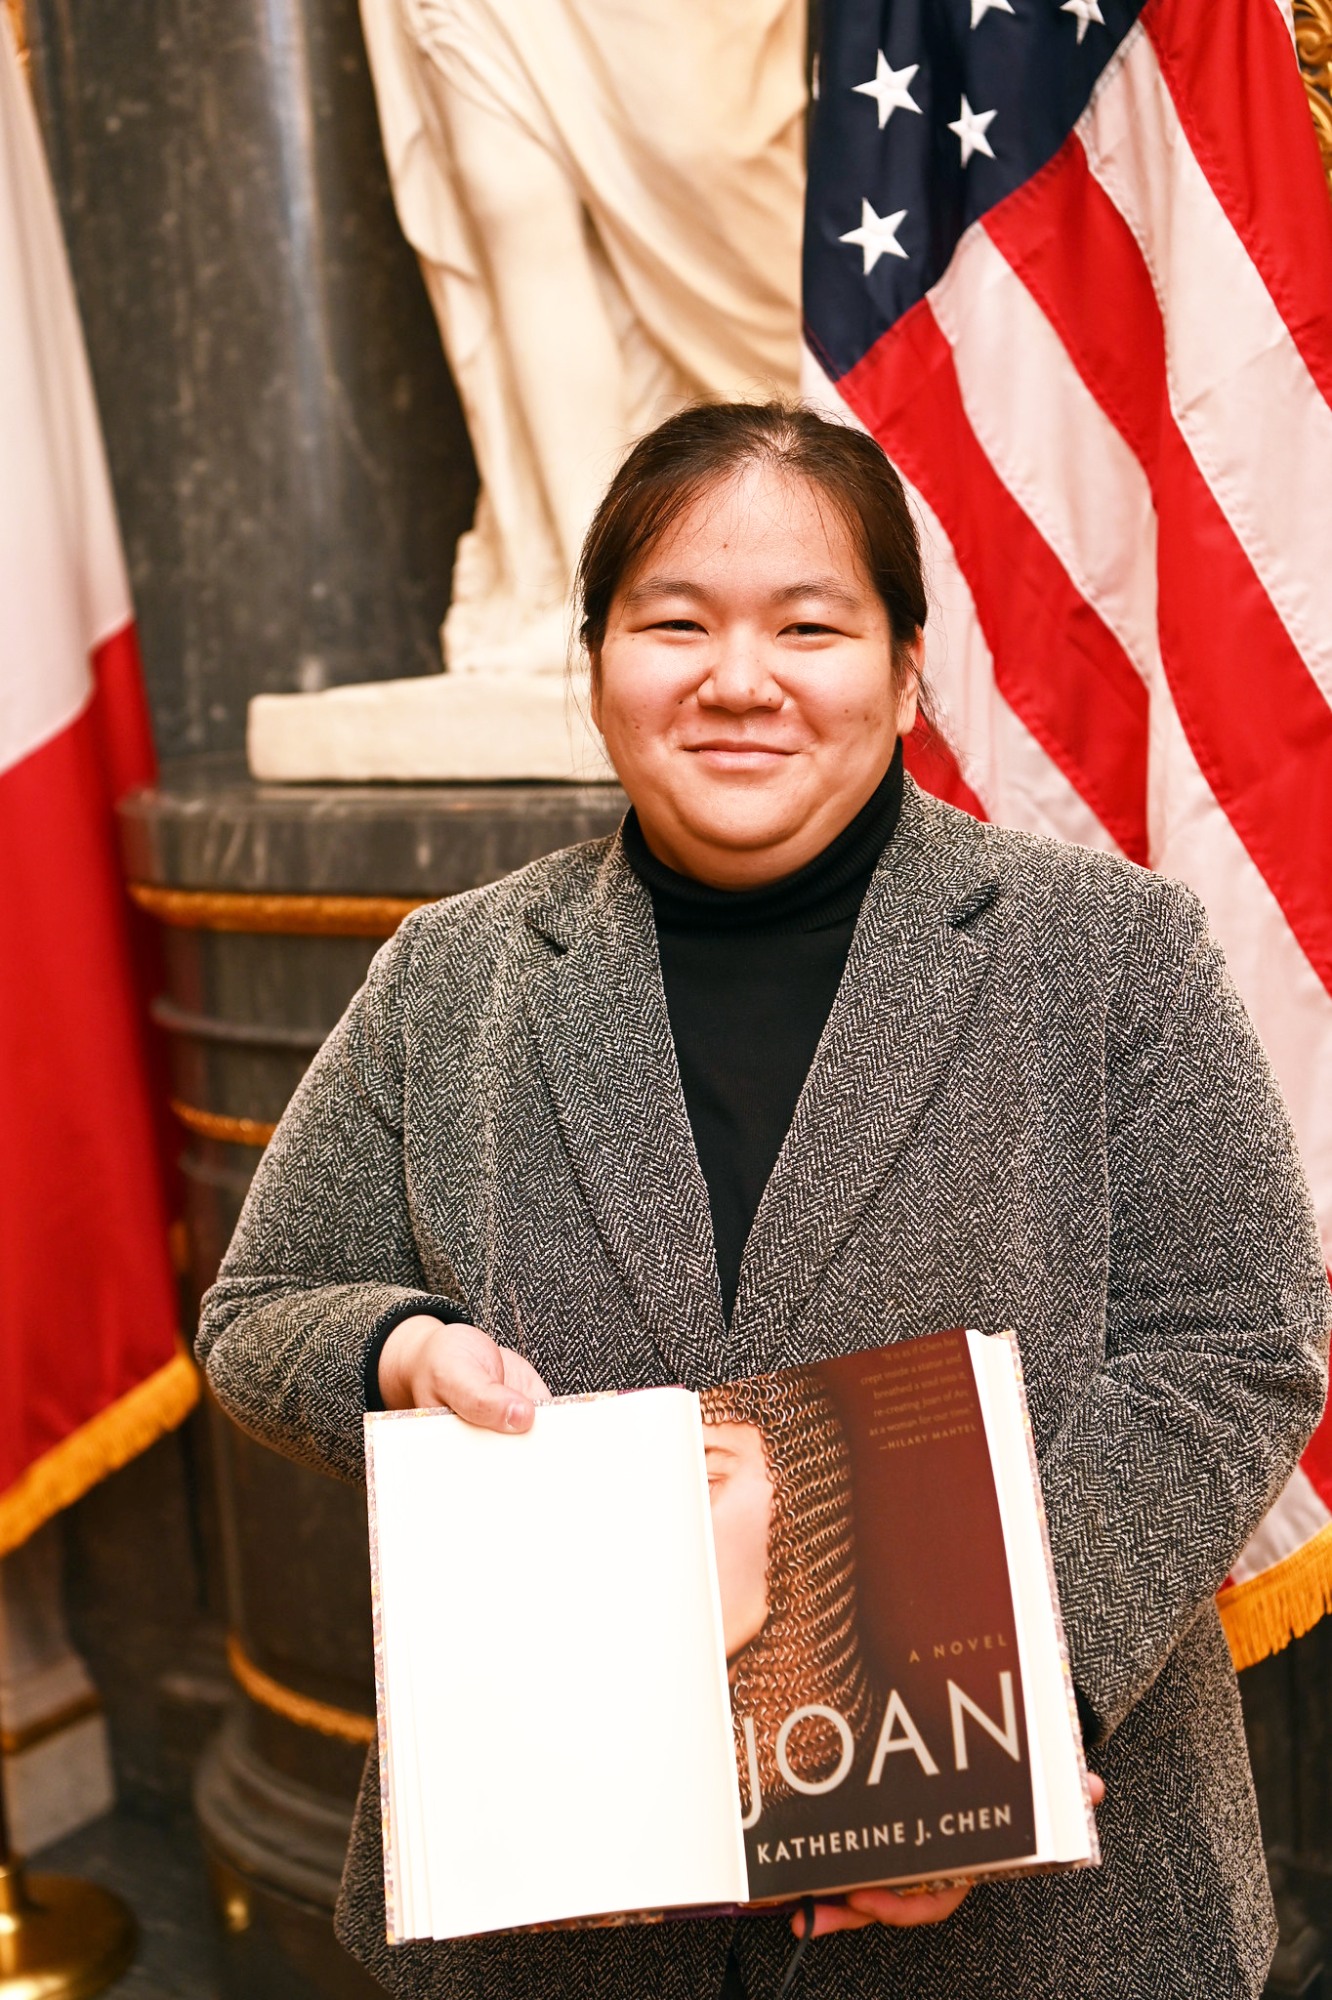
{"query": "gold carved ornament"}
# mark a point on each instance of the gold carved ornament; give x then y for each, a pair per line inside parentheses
(1313, 40)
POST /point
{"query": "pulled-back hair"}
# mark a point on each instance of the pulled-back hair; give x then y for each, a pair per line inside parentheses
(666, 471)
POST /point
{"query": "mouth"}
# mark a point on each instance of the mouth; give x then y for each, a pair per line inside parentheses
(738, 753)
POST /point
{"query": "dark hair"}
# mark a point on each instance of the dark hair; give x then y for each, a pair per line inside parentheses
(707, 442)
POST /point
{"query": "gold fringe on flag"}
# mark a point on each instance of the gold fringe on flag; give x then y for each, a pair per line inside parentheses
(1279, 1604)
(102, 1445)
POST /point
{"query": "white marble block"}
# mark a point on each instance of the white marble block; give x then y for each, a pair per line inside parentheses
(475, 727)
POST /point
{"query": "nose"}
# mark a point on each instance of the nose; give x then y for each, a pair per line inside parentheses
(738, 678)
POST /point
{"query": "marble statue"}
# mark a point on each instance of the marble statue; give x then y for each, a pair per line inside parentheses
(605, 197)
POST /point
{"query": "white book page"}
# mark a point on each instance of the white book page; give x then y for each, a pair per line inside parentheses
(552, 1627)
(1063, 1829)
(393, 1530)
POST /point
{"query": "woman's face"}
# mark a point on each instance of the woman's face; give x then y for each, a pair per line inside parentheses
(740, 1489)
(746, 692)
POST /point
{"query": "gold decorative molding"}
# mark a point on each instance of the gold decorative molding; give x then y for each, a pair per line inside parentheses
(302, 1709)
(1313, 40)
(18, 22)
(218, 1125)
(285, 916)
(13, 1742)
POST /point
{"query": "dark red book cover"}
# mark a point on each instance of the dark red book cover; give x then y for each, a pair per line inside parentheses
(869, 1626)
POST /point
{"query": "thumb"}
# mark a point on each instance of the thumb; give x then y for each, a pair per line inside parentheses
(472, 1392)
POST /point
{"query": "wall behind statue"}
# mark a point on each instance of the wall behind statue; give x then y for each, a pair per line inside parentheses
(290, 462)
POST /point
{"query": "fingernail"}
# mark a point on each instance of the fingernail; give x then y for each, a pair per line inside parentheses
(513, 1416)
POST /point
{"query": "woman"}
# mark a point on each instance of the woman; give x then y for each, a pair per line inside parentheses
(797, 1063)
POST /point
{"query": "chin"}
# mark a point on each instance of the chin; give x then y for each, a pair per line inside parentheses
(745, 817)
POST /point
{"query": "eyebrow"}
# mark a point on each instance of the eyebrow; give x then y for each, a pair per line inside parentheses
(828, 587)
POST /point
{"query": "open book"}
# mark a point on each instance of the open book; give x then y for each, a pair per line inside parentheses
(670, 1651)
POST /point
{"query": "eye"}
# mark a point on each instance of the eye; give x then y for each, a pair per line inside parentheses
(676, 625)
(808, 628)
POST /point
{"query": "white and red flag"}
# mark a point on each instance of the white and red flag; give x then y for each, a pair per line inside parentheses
(91, 1369)
(1071, 264)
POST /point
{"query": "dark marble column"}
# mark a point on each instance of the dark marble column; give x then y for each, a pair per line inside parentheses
(290, 462)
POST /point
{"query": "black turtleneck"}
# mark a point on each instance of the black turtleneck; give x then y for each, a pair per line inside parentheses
(750, 978)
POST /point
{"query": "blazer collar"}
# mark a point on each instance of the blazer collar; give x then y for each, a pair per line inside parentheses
(597, 1012)
(917, 961)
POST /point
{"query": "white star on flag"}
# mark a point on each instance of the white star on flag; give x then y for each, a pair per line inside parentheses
(980, 8)
(877, 235)
(1087, 11)
(889, 86)
(971, 126)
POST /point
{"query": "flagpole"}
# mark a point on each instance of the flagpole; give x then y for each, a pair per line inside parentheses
(59, 1939)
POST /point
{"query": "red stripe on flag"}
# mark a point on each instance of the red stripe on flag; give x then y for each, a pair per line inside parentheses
(121, 720)
(1255, 719)
(1316, 1463)
(1238, 94)
(934, 767)
(87, 1305)
(1056, 663)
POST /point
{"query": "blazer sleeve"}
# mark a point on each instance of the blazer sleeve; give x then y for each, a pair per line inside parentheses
(1214, 1370)
(324, 1254)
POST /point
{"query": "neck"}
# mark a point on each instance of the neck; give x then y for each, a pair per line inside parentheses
(827, 888)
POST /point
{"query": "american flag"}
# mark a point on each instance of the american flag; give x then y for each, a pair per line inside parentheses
(1070, 261)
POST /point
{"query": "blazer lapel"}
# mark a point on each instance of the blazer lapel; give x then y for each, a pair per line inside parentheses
(916, 963)
(597, 1013)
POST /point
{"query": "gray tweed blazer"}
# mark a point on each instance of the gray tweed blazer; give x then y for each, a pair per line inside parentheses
(1037, 1103)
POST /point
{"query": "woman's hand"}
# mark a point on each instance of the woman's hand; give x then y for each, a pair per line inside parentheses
(427, 1365)
(891, 1906)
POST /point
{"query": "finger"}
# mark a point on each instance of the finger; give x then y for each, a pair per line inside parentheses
(831, 1917)
(904, 1912)
(1096, 1787)
(522, 1376)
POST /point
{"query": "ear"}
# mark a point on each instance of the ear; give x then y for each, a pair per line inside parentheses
(910, 665)
(594, 692)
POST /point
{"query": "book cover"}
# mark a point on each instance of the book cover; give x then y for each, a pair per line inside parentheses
(870, 1631)
(784, 1637)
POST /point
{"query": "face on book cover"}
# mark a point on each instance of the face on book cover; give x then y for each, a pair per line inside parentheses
(740, 1489)
(779, 1482)
(745, 688)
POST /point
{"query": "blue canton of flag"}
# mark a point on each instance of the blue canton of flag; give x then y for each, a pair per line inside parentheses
(928, 113)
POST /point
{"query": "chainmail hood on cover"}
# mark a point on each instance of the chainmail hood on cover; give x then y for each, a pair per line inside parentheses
(808, 1650)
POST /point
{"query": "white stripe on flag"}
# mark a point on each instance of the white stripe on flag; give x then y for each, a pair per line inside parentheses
(1089, 499)
(1007, 769)
(1294, 1518)
(66, 583)
(1238, 386)
(1011, 775)
(1290, 1007)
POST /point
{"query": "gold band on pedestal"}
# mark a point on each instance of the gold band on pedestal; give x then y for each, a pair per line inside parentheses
(302, 1709)
(285, 916)
(222, 1125)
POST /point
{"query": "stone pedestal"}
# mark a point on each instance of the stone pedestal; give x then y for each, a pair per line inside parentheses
(272, 900)
(54, 1762)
